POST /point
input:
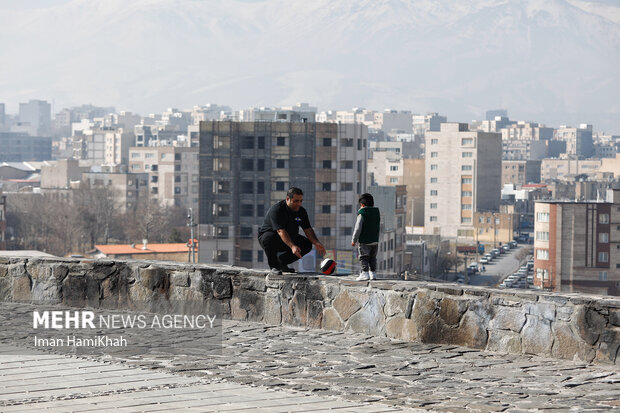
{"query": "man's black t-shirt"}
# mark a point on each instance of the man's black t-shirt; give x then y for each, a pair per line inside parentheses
(280, 216)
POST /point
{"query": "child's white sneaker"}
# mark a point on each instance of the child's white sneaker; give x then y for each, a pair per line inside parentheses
(371, 275)
(363, 276)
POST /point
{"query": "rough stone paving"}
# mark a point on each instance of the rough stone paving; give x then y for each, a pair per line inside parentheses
(369, 373)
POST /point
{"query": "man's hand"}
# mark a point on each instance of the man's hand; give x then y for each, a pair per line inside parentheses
(320, 248)
(297, 251)
(353, 244)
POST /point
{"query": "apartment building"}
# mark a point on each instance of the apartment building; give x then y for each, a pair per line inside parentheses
(173, 173)
(462, 175)
(553, 168)
(495, 228)
(36, 116)
(579, 140)
(246, 167)
(577, 246)
(19, 147)
(520, 172)
(429, 122)
(127, 188)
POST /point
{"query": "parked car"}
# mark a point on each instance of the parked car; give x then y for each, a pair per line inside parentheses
(484, 261)
(506, 248)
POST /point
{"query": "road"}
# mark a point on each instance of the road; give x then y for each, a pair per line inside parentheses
(500, 267)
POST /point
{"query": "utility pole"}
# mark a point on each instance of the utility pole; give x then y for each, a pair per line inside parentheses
(192, 244)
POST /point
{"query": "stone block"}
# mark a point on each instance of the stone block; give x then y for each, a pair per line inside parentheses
(614, 317)
(330, 290)
(22, 287)
(295, 311)
(471, 332)
(608, 345)
(222, 287)
(247, 305)
(508, 318)
(564, 312)
(6, 289)
(179, 278)
(450, 290)
(73, 290)
(568, 345)
(155, 279)
(315, 314)
(370, 319)
(537, 337)
(272, 310)
(314, 291)
(451, 310)
(504, 341)
(544, 311)
(331, 320)
(588, 324)
(401, 328)
(250, 282)
(346, 305)
(395, 304)
(46, 291)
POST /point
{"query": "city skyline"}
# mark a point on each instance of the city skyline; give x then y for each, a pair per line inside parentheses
(551, 62)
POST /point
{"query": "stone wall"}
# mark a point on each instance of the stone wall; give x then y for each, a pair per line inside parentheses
(568, 326)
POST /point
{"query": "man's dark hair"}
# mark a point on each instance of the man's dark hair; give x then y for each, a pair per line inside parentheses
(367, 200)
(293, 191)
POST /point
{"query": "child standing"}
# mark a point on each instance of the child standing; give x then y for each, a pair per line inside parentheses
(367, 234)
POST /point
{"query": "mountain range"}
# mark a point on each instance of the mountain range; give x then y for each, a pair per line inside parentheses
(551, 61)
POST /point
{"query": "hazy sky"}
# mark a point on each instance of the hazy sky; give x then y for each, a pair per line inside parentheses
(552, 61)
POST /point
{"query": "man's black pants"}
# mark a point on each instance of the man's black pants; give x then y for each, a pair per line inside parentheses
(278, 253)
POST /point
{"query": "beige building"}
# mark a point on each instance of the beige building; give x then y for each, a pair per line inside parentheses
(413, 179)
(173, 173)
(520, 172)
(462, 175)
(553, 168)
(60, 174)
(126, 188)
(495, 228)
(579, 140)
(576, 244)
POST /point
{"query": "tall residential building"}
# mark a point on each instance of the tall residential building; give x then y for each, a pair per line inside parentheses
(60, 174)
(173, 173)
(492, 114)
(246, 167)
(117, 144)
(576, 246)
(428, 122)
(578, 140)
(496, 124)
(20, 147)
(301, 112)
(38, 114)
(528, 140)
(413, 179)
(520, 172)
(127, 188)
(462, 175)
(553, 168)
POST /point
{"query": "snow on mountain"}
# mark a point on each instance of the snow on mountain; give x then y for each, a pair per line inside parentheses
(554, 61)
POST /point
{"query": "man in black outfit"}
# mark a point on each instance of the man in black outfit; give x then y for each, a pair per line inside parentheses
(279, 235)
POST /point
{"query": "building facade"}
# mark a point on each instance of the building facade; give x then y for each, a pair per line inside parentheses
(246, 167)
(19, 147)
(462, 175)
(576, 246)
(520, 172)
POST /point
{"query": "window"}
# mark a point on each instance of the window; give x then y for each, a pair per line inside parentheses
(393, 168)
(467, 154)
(466, 193)
(433, 206)
(326, 209)
(221, 210)
(346, 231)
(542, 217)
(603, 237)
(247, 142)
(247, 210)
(260, 256)
(466, 207)
(247, 187)
(247, 164)
(466, 180)
(602, 275)
(466, 167)
(346, 209)
(467, 141)
(433, 180)
(221, 256)
(280, 164)
(326, 186)
(327, 141)
(148, 155)
(603, 218)
(260, 165)
(260, 210)
(347, 142)
(260, 187)
(466, 220)
(346, 165)
(542, 236)
(346, 186)
(433, 192)
(434, 141)
(245, 232)
(542, 254)
(280, 141)
(246, 255)
(261, 142)
(393, 180)
(433, 167)
(177, 189)
(135, 154)
(327, 164)
(603, 257)
(280, 186)
(326, 231)
(434, 154)
(542, 274)
(433, 219)
(177, 178)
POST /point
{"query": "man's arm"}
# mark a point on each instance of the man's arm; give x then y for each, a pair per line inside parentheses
(313, 239)
(289, 242)
(358, 229)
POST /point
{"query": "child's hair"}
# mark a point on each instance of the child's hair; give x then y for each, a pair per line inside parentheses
(367, 200)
